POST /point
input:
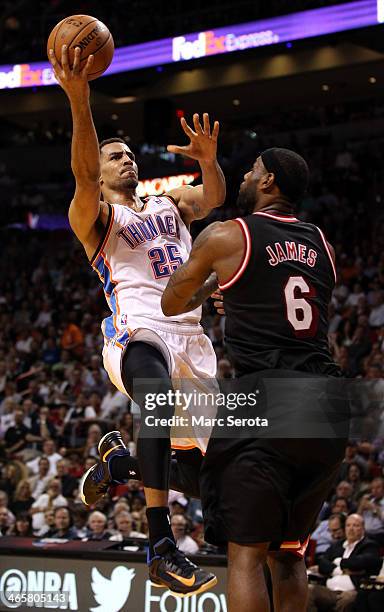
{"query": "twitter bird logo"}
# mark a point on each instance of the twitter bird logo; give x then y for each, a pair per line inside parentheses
(111, 593)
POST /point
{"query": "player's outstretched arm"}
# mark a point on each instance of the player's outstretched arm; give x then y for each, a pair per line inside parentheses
(197, 202)
(85, 161)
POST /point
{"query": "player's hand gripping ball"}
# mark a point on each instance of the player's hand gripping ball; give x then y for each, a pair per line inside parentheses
(87, 33)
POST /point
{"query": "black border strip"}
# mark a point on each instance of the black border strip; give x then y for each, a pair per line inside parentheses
(91, 261)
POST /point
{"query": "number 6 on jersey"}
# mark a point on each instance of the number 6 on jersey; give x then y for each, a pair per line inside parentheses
(302, 314)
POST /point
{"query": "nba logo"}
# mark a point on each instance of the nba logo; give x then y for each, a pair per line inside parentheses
(123, 319)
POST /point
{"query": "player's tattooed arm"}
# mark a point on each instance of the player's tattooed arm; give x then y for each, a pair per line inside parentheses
(197, 202)
(202, 294)
(195, 280)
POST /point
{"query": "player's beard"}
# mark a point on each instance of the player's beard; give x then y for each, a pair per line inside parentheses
(131, 182)
(247, 199)
(127, 184)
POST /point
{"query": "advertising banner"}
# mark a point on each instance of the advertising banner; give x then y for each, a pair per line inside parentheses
(97, 586)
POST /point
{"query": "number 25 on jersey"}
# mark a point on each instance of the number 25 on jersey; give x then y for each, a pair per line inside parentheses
(164, 260)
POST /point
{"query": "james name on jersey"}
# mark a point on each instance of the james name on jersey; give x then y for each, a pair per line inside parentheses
(291, 250)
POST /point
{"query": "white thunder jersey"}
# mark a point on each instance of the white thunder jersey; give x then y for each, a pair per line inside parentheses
(137, 256)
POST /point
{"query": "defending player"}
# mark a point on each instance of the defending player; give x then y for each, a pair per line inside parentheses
(277, 279)
(134, 246)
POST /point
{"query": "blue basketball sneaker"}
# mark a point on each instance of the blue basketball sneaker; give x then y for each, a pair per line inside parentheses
(97, 480)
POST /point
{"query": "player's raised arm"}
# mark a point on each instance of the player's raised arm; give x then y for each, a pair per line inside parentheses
(197, 202)
(85, 206)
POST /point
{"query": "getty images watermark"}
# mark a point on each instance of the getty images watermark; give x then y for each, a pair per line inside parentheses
(268, 404)
(198, 406)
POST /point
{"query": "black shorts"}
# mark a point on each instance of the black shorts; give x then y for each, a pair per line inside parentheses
(266, 490)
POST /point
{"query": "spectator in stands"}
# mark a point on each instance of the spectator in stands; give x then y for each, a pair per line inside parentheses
(89, 462)
(4, 503)
(121, 505)
(49, 500)
(22, 498)
(39, 481)
(178, 504)
(371, 508)
(69, 483)
(184, 542)
(345, 564)
(63, 528)
(48, 523)
(344, 490)
(93, 409)
(9, 478)
(42, 426)
(355, 478)
(97, 523)
(376, 317)
(72, 338)
(5, 522)
(51, 352)
(92, 441)
(18, 435)
(124, 526)
(80, 518)
(138, 522)
(49, 451)
(329, 531)
(352, 456)
(44, 317)
(22, 526)
(113, 403)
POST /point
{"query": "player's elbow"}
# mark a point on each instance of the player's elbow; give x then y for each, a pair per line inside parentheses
(214, 202)
(221, 197)
(168, 306)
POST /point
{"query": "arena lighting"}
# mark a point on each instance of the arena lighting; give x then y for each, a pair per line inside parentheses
(286, 28)
(157, 186)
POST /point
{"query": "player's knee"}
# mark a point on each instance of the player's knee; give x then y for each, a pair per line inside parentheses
(247, 558)
(285, 563)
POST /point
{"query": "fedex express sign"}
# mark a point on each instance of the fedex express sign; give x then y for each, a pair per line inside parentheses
(26, 75)
(208, 43)
(285, 28)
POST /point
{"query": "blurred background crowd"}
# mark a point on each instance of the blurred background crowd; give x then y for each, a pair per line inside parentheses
(55, 398)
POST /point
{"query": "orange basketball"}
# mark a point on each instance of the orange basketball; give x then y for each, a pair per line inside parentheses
(88, 33)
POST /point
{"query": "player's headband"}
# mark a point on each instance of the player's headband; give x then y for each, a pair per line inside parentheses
(290, 184)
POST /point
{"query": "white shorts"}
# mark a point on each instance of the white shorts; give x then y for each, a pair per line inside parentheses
(191, 362)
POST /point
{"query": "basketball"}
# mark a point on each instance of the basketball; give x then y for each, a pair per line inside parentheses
(88, 33)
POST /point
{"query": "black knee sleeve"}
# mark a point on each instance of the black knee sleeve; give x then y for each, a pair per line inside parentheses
(185, 471)
(141, 360)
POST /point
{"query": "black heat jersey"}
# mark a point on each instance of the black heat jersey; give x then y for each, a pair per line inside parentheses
(277, 302)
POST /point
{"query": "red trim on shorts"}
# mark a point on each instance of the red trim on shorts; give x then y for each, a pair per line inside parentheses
(186, 448)
(297, 548)
(240, 270)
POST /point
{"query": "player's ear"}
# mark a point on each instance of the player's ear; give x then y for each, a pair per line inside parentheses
(267, 180)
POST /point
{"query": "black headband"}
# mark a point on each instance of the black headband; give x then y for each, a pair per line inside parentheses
(287, 184)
